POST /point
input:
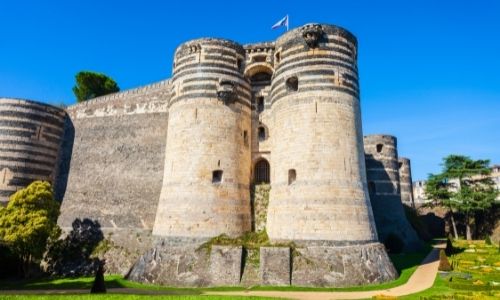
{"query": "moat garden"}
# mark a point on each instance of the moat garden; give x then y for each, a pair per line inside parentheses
(475, 274)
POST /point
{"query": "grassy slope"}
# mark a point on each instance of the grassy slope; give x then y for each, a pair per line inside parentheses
(405, 264)
(121, 297)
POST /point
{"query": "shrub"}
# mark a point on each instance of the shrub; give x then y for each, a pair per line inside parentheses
(444, 264)
(394, 244)
(487, 240)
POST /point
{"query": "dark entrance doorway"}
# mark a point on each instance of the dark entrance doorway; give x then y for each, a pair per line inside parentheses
(261, 172)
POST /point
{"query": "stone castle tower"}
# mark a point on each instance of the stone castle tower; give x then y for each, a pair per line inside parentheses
(318, 171)
(166, 167)
(30, 139)
(383, 172)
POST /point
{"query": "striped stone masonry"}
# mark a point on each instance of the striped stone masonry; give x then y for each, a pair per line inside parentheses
(404, 166)
(206, 181)
(384, 186)
(30, 139)
(318, 184)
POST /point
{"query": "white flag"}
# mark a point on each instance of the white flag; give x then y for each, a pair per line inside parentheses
(282, 22)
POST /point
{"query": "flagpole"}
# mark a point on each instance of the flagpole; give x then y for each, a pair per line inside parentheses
(287, 21)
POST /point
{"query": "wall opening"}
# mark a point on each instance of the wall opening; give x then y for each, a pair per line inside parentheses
(400, 165)
(217, 176)
(277, 57)
(379, 148)
(292, 84)
(262, 172)
(245, 137)
(260, 104)
(292, 176)
(259, 58)
(371, 188)
(262, 133)
(239, 64)
(261, 78)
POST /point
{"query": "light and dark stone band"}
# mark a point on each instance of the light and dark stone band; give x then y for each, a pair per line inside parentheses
(30, 138)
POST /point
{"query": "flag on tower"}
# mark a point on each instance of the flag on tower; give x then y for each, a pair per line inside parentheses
(282, 22)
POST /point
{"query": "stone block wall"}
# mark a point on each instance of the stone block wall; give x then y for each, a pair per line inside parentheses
(113, 167)
(30, 138)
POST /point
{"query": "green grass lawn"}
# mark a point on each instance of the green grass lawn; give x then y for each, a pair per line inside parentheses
(122, 297)
(405, 264)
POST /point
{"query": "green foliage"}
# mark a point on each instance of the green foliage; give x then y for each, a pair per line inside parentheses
(29, 221)
(91, 84)
(444, 264)
(393, 243)
(487, 240)
(250, 240)
(463, 186)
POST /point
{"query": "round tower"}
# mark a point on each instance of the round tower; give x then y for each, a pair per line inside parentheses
(406, 181)
(206, 180)
(319, 193)
(382, 169)
(30, 139)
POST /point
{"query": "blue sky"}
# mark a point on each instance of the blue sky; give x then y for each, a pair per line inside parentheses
(430, 70)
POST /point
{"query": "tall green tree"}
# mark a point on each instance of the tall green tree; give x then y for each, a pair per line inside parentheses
(464, 186)
(91, 84)
(28, 221)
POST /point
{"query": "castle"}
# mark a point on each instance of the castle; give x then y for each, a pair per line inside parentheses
(166, 167)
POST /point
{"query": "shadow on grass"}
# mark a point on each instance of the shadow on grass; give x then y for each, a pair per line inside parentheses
(405, 264)
(85, 283)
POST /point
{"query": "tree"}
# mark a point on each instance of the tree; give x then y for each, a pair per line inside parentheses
(29, 221)
(465, 186)
(91, 84)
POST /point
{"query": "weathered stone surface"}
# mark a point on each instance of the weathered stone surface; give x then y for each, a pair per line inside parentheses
(382, 170)
(275, 266)
(342, 266)
(318, 179)
(225, 265)
(251, 272)
(173, 265)
(406, 183)
(31, 134)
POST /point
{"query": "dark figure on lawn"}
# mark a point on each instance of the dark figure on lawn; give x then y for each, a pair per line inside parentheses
(99, 286)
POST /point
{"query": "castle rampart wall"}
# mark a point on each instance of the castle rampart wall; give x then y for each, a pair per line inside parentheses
(30, 138)
(114, 152)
